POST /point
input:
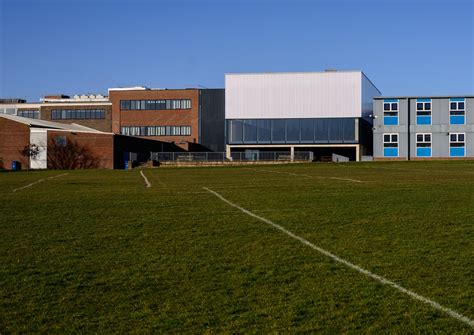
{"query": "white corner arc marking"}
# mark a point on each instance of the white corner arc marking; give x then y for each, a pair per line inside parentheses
(146, 179)
(336, 258)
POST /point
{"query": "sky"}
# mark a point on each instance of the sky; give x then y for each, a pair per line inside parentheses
(416, 47)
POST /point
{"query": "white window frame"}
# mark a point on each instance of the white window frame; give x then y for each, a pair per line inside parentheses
(391, 110)
(457, 109)
(391, 141)
(424, 141)
(424, 107)
(457, 139)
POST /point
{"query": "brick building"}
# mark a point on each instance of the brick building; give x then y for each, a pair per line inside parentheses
(104, 149)
(191, 118)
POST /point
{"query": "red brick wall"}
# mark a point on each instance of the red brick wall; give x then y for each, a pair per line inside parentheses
(100, 145)
(177, 117)
(104, 125)
(14, 137)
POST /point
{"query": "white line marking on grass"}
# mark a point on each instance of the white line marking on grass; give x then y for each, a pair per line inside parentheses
(336, 258)
(307, 175)
(38, 181)
(146, 179)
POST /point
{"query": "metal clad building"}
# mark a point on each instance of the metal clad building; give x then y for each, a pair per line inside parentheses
(307, 110)
(415, 128)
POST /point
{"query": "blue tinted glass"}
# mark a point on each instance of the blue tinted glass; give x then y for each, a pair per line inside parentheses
(335, 130)
(349, 129)
(321, 130)
(307, 130)
(293, 130)
(236, 130)
(250, 130)
(278, 130)
(264, 131)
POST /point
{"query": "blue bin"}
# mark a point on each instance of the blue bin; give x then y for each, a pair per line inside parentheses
(16, 166)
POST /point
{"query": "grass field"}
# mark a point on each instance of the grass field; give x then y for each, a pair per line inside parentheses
(98, 251)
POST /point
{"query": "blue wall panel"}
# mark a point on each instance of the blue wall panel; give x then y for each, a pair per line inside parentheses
(423, 152)
(390, 152)
(456, 152)
(456, 119)
(423, 120)
(390, 120)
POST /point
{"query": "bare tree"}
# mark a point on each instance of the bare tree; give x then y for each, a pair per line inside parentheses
(70, 156)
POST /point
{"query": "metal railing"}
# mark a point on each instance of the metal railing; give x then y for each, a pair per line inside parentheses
(248, 156)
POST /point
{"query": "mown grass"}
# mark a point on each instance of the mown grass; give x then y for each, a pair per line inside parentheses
(96, 251)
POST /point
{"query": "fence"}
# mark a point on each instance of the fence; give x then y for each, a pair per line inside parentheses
(247, 156)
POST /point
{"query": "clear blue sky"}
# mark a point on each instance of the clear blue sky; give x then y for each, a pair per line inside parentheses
(404, 47)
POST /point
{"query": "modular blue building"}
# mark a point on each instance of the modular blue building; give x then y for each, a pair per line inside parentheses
(437, 127)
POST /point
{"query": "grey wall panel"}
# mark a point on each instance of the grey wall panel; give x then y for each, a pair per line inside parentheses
(212, 119)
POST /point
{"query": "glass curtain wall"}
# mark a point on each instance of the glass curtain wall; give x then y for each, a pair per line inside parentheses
(291, 131)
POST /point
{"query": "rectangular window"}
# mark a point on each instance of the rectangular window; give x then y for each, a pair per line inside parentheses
(423, 111)
(423, 145)
(390, 145)
(32, 114)
(457, 111)
(457, 144)
(155, 104)
(160, 104)
(124, 104)
(390, 112)
(250, 131)
(278, 131)
(264, 131)
(60, 141)
(307, 130)
(150, 105)
(77, 114)
(293, 130)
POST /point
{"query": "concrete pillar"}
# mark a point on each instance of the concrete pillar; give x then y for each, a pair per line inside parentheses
(357, 153)
(227, 152)
(292, 153)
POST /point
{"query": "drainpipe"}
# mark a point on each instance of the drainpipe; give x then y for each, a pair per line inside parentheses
(408, 131)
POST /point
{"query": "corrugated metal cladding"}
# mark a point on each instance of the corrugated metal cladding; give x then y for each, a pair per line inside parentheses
(293, 95)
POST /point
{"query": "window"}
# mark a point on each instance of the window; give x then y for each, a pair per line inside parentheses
(423, 145)
(60, 141)
(155, 104)
(457, 111)
(390, 145)
(156, 130)
(457, 144)
(264, 131)
(278, 130)
(293, 130)
(250, 131)
(423, 111)
(32, 114)
(390, 112)
(67, 114)
(124, 104)
(307, 130)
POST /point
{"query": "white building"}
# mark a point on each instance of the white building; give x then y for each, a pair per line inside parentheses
(323, 112)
